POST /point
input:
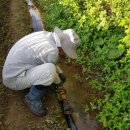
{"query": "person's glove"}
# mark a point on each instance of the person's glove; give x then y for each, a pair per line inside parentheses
(62, 78)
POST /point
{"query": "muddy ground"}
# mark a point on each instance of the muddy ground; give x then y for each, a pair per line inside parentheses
(14, 115)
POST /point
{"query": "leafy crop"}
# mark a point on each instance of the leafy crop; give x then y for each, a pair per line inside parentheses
(104, 29)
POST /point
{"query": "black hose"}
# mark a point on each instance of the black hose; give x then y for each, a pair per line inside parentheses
(66, 108)
(70, 122)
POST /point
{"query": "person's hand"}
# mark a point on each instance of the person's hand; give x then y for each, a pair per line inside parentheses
(62, 78)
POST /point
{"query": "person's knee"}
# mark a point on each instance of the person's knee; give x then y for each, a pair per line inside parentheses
(52, 69)
(51, 73)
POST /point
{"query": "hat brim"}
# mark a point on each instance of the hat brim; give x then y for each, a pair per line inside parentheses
(66, 44)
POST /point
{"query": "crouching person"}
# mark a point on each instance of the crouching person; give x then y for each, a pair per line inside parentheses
(31, 63)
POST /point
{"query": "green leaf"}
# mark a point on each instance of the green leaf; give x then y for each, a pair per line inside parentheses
(99, 41)
(116, 52)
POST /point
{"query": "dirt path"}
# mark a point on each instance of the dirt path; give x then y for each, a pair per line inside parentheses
(14, 112)
(19, 23)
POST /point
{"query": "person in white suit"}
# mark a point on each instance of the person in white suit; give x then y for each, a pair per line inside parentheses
(31, 63)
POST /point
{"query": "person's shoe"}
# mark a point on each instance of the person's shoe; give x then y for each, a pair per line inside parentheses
(33, 101)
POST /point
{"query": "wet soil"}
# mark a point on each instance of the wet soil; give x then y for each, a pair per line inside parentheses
(80, 94)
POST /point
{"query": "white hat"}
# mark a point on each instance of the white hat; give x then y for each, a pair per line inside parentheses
(69, 41)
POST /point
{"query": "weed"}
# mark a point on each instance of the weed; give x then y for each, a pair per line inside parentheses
(1, 116)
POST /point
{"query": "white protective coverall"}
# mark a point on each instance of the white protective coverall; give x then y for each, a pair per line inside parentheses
(31, 61)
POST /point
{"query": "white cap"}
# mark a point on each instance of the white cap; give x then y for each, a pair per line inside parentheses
(69, 41)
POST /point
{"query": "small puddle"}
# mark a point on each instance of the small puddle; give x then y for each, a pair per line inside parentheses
(35, 15)
(78, 96)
